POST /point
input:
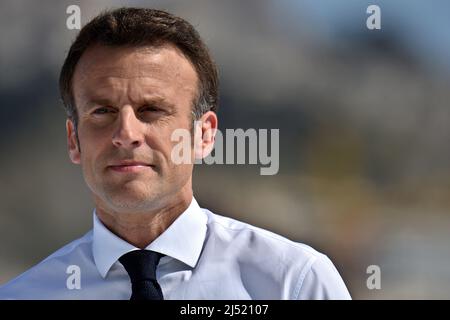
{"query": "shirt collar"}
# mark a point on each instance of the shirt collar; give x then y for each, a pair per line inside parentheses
(182, 240)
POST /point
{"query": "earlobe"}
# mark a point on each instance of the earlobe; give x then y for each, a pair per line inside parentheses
(72, 144)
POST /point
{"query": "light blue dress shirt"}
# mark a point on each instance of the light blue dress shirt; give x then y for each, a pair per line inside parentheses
(207, 256)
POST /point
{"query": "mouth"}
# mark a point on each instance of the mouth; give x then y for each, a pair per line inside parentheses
(130, 166)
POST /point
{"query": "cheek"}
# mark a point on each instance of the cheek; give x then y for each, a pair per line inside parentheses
(160, 140)
(91, 151)
(182, 149)
(183, 128)
(88, 163)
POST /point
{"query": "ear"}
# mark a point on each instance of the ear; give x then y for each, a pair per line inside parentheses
(205, 132)
(72, 144)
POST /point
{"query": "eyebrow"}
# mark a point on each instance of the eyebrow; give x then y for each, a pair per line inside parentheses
(146, 100)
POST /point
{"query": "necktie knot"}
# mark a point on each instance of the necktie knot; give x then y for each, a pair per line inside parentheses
(141, 267)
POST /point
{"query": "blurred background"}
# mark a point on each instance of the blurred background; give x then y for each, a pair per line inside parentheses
(364, 123)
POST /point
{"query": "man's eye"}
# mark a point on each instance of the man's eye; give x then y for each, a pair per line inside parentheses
(101, 111)
(149, 109)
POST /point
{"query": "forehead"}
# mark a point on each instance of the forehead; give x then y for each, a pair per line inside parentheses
(117, 72)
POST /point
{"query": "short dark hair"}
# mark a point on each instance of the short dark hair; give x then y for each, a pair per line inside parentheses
(141, 27)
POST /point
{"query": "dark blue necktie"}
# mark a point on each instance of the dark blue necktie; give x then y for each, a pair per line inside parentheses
(141, 267)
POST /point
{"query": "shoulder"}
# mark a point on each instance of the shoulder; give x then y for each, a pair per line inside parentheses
(233, 232)
(301, 271)
(49, 273)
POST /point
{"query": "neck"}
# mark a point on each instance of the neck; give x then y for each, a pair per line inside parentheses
(140, 229)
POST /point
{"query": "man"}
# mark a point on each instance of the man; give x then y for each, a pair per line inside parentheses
(131, 78)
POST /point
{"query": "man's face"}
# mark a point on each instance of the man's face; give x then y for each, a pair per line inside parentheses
(129, 101)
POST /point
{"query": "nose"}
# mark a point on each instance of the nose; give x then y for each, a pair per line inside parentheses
(129, 131)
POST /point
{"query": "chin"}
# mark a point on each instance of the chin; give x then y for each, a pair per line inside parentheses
(134, 201)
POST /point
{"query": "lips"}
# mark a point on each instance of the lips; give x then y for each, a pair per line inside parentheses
(130, 166)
